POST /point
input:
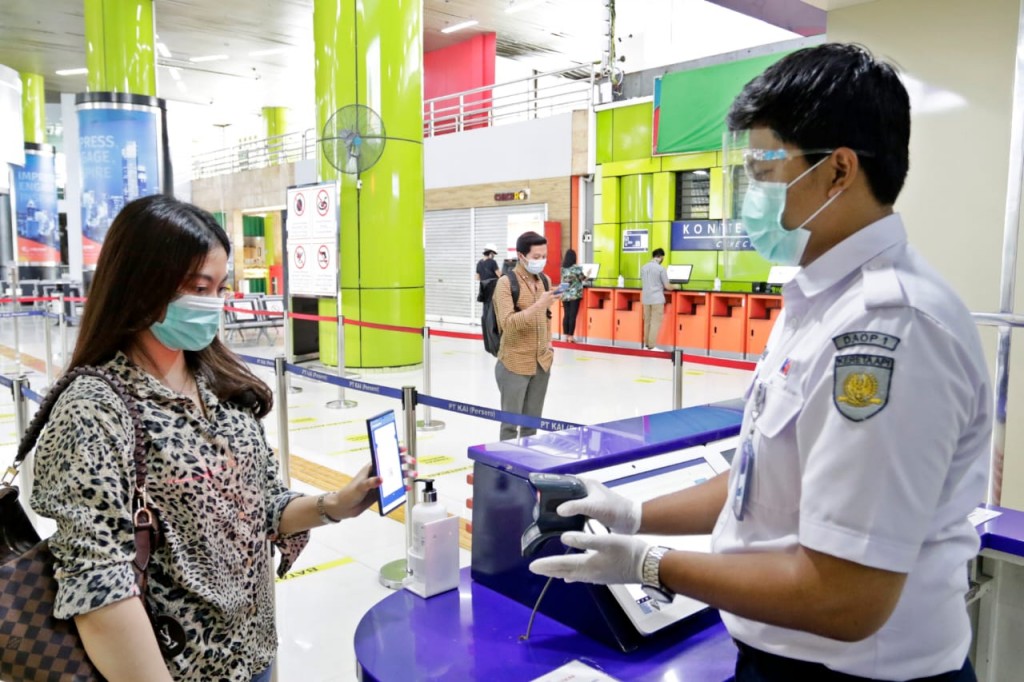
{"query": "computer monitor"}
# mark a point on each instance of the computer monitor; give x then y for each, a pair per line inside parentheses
(780, 274)
(679, 273)
(646, 479)
(387, 461)
(591, 269)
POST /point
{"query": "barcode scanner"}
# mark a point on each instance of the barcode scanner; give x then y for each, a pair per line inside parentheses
(552, 490)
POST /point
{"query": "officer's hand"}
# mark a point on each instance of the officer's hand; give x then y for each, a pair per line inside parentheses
(615, 560)
(619, 513)
(545, 300)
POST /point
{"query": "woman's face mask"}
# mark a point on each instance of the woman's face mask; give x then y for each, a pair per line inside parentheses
(191, 322)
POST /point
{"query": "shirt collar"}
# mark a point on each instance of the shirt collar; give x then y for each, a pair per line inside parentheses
(849, 255)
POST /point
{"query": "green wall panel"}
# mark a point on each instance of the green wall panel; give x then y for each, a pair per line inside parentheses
(604, 136)
(691, 161)
(742, 266)
(636, 198)
(609, 200)
(606, 252)
(664, 196)
(631, 130)
(661, 235)
(651, 165)
(705, 267)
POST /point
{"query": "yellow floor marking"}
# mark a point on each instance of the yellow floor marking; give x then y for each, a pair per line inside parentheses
(319, 568)
(38, 364)
(357, 438)
(301, 420)
(436, 459)
(319, 426)
(326, 478)
(644, 380)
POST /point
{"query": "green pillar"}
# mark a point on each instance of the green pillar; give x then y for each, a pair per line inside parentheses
(119, 46)
(370, 52)
(276, 119)
(33, 107)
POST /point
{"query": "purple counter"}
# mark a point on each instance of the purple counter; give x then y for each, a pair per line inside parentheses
(473, 634)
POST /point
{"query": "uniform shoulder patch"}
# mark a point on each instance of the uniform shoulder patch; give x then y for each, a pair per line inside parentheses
(861, 385)
(847, 339)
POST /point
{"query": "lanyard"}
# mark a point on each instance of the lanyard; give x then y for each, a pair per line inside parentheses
(745, 475)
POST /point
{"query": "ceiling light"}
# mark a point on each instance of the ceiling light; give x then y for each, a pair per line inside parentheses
(458, 27)
(269, 51)
(209, 58)
(162, 49)
(521, 5)
(71, 72)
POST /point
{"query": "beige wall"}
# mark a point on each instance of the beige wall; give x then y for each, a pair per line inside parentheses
(960, 57)
(555, 192)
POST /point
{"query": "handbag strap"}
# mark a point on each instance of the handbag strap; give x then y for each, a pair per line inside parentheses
(143, 516)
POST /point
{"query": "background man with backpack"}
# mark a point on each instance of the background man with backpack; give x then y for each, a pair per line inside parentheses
(521, 302)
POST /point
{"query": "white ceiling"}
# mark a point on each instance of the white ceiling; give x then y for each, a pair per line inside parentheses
(43, 36)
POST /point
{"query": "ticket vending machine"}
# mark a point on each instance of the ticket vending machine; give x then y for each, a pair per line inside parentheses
(641, 457)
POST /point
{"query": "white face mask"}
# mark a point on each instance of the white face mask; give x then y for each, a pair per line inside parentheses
(535, 267)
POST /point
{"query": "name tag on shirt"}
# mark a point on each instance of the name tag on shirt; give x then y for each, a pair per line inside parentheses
(743, 479)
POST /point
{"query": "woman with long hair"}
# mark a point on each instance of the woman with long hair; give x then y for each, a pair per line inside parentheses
(152, 320)
(574, 278)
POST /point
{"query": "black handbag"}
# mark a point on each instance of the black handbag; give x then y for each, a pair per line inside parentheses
(35, 646)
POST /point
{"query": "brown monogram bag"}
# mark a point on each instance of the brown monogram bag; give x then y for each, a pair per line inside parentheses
(35, 646)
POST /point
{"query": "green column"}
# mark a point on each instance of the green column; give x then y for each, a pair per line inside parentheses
(119, 46)
(276, 119)
(370, 52)
(33, 107)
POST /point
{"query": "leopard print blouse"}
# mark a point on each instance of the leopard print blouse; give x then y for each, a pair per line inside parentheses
(214, 481)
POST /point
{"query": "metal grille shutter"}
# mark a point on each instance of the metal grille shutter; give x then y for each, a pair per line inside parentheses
(450, 264)
(491, 225)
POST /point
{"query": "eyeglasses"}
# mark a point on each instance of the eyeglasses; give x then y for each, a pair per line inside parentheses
(761, 163)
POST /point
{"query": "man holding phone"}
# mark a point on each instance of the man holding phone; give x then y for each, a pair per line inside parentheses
(525, 355)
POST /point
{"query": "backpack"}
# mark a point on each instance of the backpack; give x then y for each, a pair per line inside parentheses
(489, 318)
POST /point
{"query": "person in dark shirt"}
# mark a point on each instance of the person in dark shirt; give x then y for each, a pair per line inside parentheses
(487, 267)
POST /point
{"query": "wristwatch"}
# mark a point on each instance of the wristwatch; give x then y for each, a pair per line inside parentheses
(325, 518)
(650, 574)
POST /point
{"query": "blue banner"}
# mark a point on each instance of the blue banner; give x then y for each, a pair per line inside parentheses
(120, 162)
(35, 191)
(708, 235)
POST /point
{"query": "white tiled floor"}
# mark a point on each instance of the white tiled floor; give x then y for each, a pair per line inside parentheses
(318, 612)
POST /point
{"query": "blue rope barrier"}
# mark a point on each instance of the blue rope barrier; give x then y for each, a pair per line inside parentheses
(31, 395)
(254, 360)
(21, 313)
(6, 382)
(495, 414)
(355, 385)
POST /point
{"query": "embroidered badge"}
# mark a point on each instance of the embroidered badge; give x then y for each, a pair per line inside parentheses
(886, 341)
(861, 385)
(786, 366)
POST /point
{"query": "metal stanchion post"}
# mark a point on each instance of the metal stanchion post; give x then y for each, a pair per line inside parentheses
(288, 354)
(341, 403)
(64, 359)
(677, 379)
(393, 573)
(16, 307)
(427, 424)
(20, 424)
(48, 342)
(282, 418)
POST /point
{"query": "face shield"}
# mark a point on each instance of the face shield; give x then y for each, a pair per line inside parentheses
(755, 163)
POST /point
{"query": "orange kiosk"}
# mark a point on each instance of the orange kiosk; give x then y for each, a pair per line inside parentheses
(691, 321)
(762, 311)
(598, 311)
(728, 325)
(629, 318)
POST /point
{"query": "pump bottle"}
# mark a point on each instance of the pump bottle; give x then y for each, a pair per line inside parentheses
(434, 554)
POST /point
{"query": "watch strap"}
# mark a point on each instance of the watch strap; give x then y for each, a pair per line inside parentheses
(325, 518)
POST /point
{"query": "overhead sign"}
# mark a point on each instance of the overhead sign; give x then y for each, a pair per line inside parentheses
(709, 235)
(518, 195)
(312, 240)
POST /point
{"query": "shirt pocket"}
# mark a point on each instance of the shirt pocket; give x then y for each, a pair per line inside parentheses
(776, 461)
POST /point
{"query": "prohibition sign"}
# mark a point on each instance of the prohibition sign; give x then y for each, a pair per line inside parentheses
(300, 203)
(300, 257)
(323, 257)
(323, 202)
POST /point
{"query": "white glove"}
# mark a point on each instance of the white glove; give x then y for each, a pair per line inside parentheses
(616, 560)
(620, 514)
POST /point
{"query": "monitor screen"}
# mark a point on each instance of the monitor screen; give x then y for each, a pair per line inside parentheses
(679, 273)
(780, 274)
(591, 269)
(387, 461)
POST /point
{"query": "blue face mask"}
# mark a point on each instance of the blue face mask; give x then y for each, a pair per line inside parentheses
(191, 322)
(762, 218)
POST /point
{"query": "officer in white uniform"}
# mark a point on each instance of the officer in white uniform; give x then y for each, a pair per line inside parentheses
(840, 535)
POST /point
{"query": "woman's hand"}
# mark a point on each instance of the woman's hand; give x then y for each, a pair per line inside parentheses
(354, 498)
